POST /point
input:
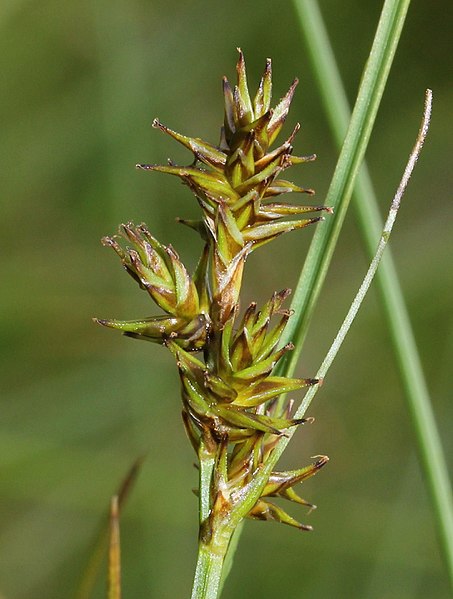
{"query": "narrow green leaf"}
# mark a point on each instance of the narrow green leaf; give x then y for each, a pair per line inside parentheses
(248, 420)
(280, 186)
(277, 210)
(281, 481)
(268, 389)
(261, 234)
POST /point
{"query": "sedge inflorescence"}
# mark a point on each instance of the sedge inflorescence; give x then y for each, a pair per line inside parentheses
(226, 360)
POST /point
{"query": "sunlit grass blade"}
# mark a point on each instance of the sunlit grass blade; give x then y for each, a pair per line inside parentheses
(337, 109)
(339, 194)
(364, 287)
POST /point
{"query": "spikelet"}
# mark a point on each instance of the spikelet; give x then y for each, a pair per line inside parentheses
(229, 390)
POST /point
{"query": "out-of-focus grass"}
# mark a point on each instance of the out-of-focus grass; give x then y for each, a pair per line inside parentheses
(79, 88)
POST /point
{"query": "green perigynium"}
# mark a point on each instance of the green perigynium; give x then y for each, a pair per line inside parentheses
(159, 271)
(226, 360)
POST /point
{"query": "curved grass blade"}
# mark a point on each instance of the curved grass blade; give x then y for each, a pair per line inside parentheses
(364, 287)
(365, 205)
(260, 480)
(339, 194)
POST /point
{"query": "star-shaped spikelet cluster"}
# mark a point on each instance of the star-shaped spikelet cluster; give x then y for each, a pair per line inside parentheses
(229, 392)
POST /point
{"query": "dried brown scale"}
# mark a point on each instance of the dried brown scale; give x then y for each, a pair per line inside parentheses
(228, 390)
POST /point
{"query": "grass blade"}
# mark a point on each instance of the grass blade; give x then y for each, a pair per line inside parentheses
(364, 287)
(324, 240)
(411, 372)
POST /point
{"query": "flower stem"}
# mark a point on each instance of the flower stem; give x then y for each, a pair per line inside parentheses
(419, 404)
(215, 534)
(363, 117)
(207, 461)
(360, 296)
(210, 560)
(207, 574)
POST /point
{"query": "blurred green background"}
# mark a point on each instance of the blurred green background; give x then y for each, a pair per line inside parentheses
(80, 84)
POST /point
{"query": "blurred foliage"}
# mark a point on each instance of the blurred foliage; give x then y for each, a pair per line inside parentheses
(80, 85)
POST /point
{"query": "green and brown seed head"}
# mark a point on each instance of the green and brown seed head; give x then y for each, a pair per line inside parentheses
(236, 183)
(159, 271)
(229, 396)
(232, 393)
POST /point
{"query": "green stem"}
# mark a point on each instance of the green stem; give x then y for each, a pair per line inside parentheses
(206, 464)
(418, 401)
(364, 287)
(208, 573)
(228, 563)
(325, 238)
(211, 556)
(215, 534)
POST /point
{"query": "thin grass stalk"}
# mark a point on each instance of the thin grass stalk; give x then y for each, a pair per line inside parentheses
(339, 194)
(207, 582)
(365, 204)
(229, 558)
(363, 290)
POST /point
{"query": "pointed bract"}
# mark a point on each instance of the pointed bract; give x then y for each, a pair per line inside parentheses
(264, 510)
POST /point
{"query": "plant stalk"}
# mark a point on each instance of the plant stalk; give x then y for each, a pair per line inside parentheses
(206, 464)
(364, 287)
(211, 556)
(339, 194)
(365, 204)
